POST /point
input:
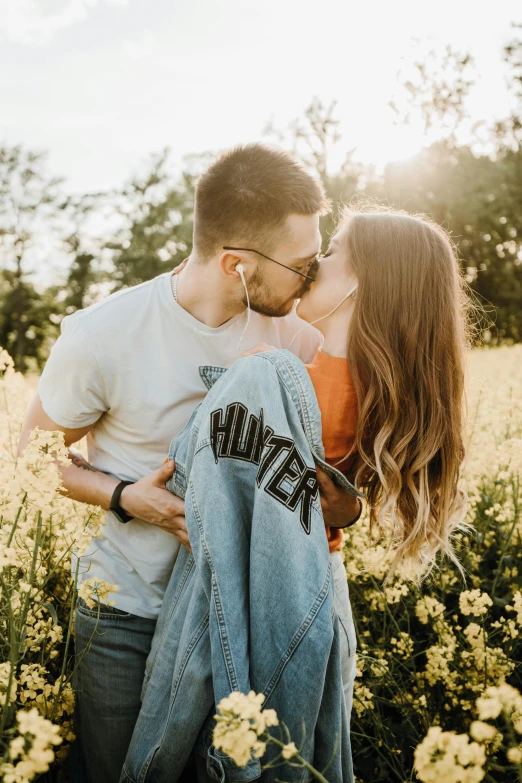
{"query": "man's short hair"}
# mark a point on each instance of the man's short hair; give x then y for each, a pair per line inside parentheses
(245, 196)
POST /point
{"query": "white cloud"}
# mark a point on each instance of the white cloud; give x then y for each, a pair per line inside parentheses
(144, 47)
(36, 21)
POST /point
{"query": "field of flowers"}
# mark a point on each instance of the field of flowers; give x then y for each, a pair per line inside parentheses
(439, 669)
(439, 683)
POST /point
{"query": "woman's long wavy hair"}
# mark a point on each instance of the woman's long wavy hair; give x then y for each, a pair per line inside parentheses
(406, 349)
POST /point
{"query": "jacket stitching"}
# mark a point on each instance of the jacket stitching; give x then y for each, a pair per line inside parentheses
(300, 633)
(223, 634)
(184, 577)
(198, 633)
(191, 647)
(341, 621)
(304, 412)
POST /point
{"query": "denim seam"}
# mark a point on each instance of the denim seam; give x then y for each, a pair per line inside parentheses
(178, 481)
(93, 615)
(302, 400)
(175, 685)
(223, 634)
(180, 469)
(303, 408)
(184, 577)
(205, 373)
(300, 634)
(144, 770)
(201, 445)
(341, 621)
(198, 633)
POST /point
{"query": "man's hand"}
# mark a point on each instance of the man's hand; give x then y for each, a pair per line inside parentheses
(150, 500)
(339, 508)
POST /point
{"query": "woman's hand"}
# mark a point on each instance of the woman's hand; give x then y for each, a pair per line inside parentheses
(259, 348)
(339, 508)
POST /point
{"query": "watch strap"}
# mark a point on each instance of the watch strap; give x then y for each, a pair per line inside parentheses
(115, 507)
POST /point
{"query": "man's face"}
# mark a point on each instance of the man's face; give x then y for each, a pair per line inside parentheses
(273, 289)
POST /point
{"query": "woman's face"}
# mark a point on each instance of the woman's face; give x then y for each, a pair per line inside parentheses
(334, 280)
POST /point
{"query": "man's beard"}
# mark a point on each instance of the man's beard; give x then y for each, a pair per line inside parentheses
(262, 300)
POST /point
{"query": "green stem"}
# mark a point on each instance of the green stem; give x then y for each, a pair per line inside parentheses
(315, 773)
(510, 536)
(67, 642)
(15, 523)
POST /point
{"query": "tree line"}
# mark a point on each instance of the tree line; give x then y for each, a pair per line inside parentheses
(112, 240)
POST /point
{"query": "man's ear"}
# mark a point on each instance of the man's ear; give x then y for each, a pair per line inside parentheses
(228, 262)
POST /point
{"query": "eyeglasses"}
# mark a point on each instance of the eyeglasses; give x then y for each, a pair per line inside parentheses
(251, 250)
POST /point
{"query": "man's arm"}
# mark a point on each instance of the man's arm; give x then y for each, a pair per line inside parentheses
(85, 485)
(147, 499)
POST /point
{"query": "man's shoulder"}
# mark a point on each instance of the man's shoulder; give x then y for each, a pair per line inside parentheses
(113, 309)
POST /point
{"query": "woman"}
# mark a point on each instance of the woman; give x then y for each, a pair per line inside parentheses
(389, 380)
(397, 345)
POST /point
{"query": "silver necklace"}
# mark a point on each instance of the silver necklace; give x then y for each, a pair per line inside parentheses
(175, 287)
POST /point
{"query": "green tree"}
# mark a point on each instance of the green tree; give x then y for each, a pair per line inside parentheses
(435, 89)
(29, 203)
(475, 198)
(315, 140)
(508, 131)
(156, 213)
(84, 248)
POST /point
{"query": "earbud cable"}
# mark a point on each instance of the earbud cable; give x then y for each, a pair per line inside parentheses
(351, 292)
(239, 268)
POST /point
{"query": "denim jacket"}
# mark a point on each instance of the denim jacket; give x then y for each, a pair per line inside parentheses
(252, 606)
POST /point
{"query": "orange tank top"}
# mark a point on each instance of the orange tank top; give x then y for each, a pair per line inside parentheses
(337, 400)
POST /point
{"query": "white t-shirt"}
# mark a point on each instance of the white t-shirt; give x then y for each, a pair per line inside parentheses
(131, 364)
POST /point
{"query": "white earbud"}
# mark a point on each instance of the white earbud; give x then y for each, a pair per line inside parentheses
(351, 293)
(239, 268)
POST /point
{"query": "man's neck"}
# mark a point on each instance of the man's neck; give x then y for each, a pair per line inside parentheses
(202, 293)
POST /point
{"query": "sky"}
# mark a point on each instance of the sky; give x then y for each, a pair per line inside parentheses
(101, 84)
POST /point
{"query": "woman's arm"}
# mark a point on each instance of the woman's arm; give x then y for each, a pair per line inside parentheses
(339, 508)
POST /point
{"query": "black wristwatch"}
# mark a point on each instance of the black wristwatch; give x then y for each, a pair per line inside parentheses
(115, 507)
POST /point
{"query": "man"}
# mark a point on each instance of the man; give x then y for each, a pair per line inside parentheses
(124, 372)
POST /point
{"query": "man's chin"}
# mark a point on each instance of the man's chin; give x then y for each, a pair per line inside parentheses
(273, 310)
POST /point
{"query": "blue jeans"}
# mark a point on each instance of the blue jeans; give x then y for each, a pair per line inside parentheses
(107, 683)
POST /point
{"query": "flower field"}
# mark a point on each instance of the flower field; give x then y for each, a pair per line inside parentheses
(438, 657)
(438, 691)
